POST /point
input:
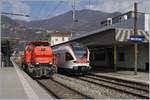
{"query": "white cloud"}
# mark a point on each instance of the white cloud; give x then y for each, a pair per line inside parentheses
(19, 7)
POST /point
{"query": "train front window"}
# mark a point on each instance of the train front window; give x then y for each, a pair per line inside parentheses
(68, 56)
(80, 52)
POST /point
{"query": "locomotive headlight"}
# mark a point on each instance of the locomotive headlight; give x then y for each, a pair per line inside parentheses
(50, 63)
(37, 63)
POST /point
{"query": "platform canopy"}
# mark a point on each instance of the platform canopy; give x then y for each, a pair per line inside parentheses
(123, 35)
(109, 36)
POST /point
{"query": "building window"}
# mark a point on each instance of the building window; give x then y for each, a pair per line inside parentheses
(56, 39)
(120, 19)
(68, 56)
(121, 57)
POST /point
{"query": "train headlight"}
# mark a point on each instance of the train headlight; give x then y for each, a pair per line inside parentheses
(37, 63)
(50, 63)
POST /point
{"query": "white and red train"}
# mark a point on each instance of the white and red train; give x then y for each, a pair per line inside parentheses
(72, 57)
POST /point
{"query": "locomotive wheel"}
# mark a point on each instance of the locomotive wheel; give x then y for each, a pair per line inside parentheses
(23, 67)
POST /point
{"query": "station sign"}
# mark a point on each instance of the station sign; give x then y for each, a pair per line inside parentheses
(137, 38)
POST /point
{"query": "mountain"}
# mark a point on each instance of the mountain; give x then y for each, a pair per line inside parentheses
(8, 25)
(6, 20)
(16, 29)
(22, 23)
(88, 20)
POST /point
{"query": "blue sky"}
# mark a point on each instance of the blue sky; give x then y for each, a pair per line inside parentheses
(42, 9)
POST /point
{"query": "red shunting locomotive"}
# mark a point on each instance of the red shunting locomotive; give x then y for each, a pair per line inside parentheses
(38, 59)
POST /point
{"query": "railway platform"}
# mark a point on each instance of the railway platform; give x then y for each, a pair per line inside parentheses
(16, 84)
(127, 75)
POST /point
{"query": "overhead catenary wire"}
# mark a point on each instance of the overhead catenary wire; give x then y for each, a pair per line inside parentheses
(55, 8)
(52, 11)
(60, 3)
(6, 13)
(42, 8)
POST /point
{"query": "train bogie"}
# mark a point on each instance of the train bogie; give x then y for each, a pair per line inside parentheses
(41, 70)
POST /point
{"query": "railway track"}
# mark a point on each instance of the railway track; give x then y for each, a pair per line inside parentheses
(122, 82)
(137, 90)
(60, 91)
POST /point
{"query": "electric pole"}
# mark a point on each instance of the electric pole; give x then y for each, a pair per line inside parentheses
(73, 11)
(89, 4)
(135, 45)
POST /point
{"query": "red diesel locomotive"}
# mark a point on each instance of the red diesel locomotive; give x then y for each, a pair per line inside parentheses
(38, 59)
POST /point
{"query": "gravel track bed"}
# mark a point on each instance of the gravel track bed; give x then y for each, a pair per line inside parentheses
(77, 86)
(128, 90)
(127, 83)
(59, 90)
(92, 90)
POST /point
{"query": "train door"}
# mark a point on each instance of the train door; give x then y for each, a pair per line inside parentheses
(68, 59)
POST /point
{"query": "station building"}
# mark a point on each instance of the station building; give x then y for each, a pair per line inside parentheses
(116, 33)
(102, 49)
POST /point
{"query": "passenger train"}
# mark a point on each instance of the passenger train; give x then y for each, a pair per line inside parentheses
(72, 58)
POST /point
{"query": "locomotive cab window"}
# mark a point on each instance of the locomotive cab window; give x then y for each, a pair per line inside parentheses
(68, 56)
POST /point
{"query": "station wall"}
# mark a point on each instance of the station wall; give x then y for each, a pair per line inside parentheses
(99, 58)
(127, 61)
(104, 57)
